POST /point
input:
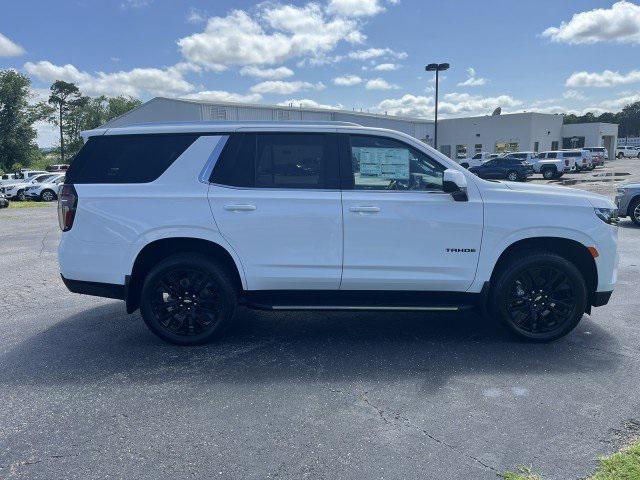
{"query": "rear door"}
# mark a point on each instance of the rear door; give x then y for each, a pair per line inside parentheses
(276, 199)
(401, 230)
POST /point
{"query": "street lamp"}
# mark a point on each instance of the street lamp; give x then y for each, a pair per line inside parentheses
(436, 67)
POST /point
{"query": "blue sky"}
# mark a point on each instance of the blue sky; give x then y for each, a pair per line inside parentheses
(544, 55)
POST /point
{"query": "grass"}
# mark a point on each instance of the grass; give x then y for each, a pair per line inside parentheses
(623, 465)
(27, 204)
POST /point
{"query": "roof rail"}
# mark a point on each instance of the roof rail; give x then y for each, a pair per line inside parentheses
(244, 122)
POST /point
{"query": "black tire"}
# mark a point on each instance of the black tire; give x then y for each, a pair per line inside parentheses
(20, 196)
(634, 211)
(185, 317)
(549, 173)
(530, 304)
(48, 196)
(512, 176)
(465, 165)
(619, 156)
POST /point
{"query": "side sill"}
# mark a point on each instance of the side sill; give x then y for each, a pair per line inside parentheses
(96, 289)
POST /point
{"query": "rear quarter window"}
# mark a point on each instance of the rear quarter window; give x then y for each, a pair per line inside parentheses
(127, 158)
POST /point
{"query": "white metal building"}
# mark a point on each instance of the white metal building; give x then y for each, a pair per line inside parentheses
(456, 137)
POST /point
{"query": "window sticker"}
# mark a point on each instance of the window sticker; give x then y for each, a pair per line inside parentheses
(384, 163)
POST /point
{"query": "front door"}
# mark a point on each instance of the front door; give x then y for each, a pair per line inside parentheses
(401, 231)
(276, 200)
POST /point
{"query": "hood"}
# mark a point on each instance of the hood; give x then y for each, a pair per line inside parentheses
(569, 194)
(630, 185)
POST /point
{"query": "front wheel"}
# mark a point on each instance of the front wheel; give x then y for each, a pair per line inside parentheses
(634, 211)
(539, 296)
(620, 156)
(548, 173)
(47, 196)
(21, 196)
(465, 165)
(188, 299)
(512, 176)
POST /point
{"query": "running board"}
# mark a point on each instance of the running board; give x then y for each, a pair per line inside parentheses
(361, 300)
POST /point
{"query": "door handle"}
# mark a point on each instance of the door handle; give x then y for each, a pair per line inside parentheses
(364, 209)
(240, 208)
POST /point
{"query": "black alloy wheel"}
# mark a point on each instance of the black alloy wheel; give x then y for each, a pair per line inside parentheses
(47, 196)
(634, 211)
(188, 299)
(512, 176)
(541, 296)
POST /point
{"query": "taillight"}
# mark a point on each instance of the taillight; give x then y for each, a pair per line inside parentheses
(566, 163)
(67, 203)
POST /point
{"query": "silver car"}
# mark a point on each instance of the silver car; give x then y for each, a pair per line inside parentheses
(628, 201)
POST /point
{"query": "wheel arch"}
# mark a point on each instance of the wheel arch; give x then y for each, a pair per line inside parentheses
(574, 251)
(161, 248)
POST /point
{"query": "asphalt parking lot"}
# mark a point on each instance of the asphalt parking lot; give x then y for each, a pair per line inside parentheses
(87, 392)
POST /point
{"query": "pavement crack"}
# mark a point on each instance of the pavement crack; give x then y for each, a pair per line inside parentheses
(395, 417)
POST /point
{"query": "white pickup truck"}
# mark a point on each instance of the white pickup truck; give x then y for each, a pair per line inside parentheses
(550, 164)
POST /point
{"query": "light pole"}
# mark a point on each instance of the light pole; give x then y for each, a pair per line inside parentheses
(436, 67)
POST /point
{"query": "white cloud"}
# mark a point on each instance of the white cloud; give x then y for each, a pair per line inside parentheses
(472, 80)
(355, 8)
(223, 96)
(386, 67)
(137, 82)
(308, 103)
(573, 95)
(196, 15)
(453, 104)
(277, 33)
(270, 73)
(9, 48)
(370, 53)
(617, 104)
(347, 80)
(379, 84)
(602, 80)
(620, 23)
(285, 88)
(136, 3)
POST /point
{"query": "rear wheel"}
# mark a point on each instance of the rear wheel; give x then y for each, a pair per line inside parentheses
(620, 155)
(634, 211)
(465, 165)
(539, 296)
(187, 299)
(21, 196)
(512, 176)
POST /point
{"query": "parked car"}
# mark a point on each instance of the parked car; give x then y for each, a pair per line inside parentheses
(550, 165)
(579, 158)
(60, 167)
(628, 201)
(600, 154)
(4, 203)
(9, 178)
(16, 190)
(47, 190)
(476, 160)
(627, 151)
(509, 168)
(363, 218)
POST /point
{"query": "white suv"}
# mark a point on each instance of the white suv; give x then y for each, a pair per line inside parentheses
(627, 151)
(188, 221)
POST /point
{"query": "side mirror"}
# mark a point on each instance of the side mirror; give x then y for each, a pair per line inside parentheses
(455, 183)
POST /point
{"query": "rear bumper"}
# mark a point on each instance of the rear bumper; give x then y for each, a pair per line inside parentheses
(96, 289)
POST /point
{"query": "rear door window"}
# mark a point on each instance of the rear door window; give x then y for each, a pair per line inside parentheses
(279, 160)
(127, 158)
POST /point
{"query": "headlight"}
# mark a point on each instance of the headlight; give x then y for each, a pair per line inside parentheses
(607, 215)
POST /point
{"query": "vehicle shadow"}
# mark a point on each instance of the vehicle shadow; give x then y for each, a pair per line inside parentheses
(263, 347)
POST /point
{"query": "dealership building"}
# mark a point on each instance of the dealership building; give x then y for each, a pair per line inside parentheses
(457, 137)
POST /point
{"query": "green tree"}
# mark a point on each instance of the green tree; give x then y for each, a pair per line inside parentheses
(64, 96)
(17, 134)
